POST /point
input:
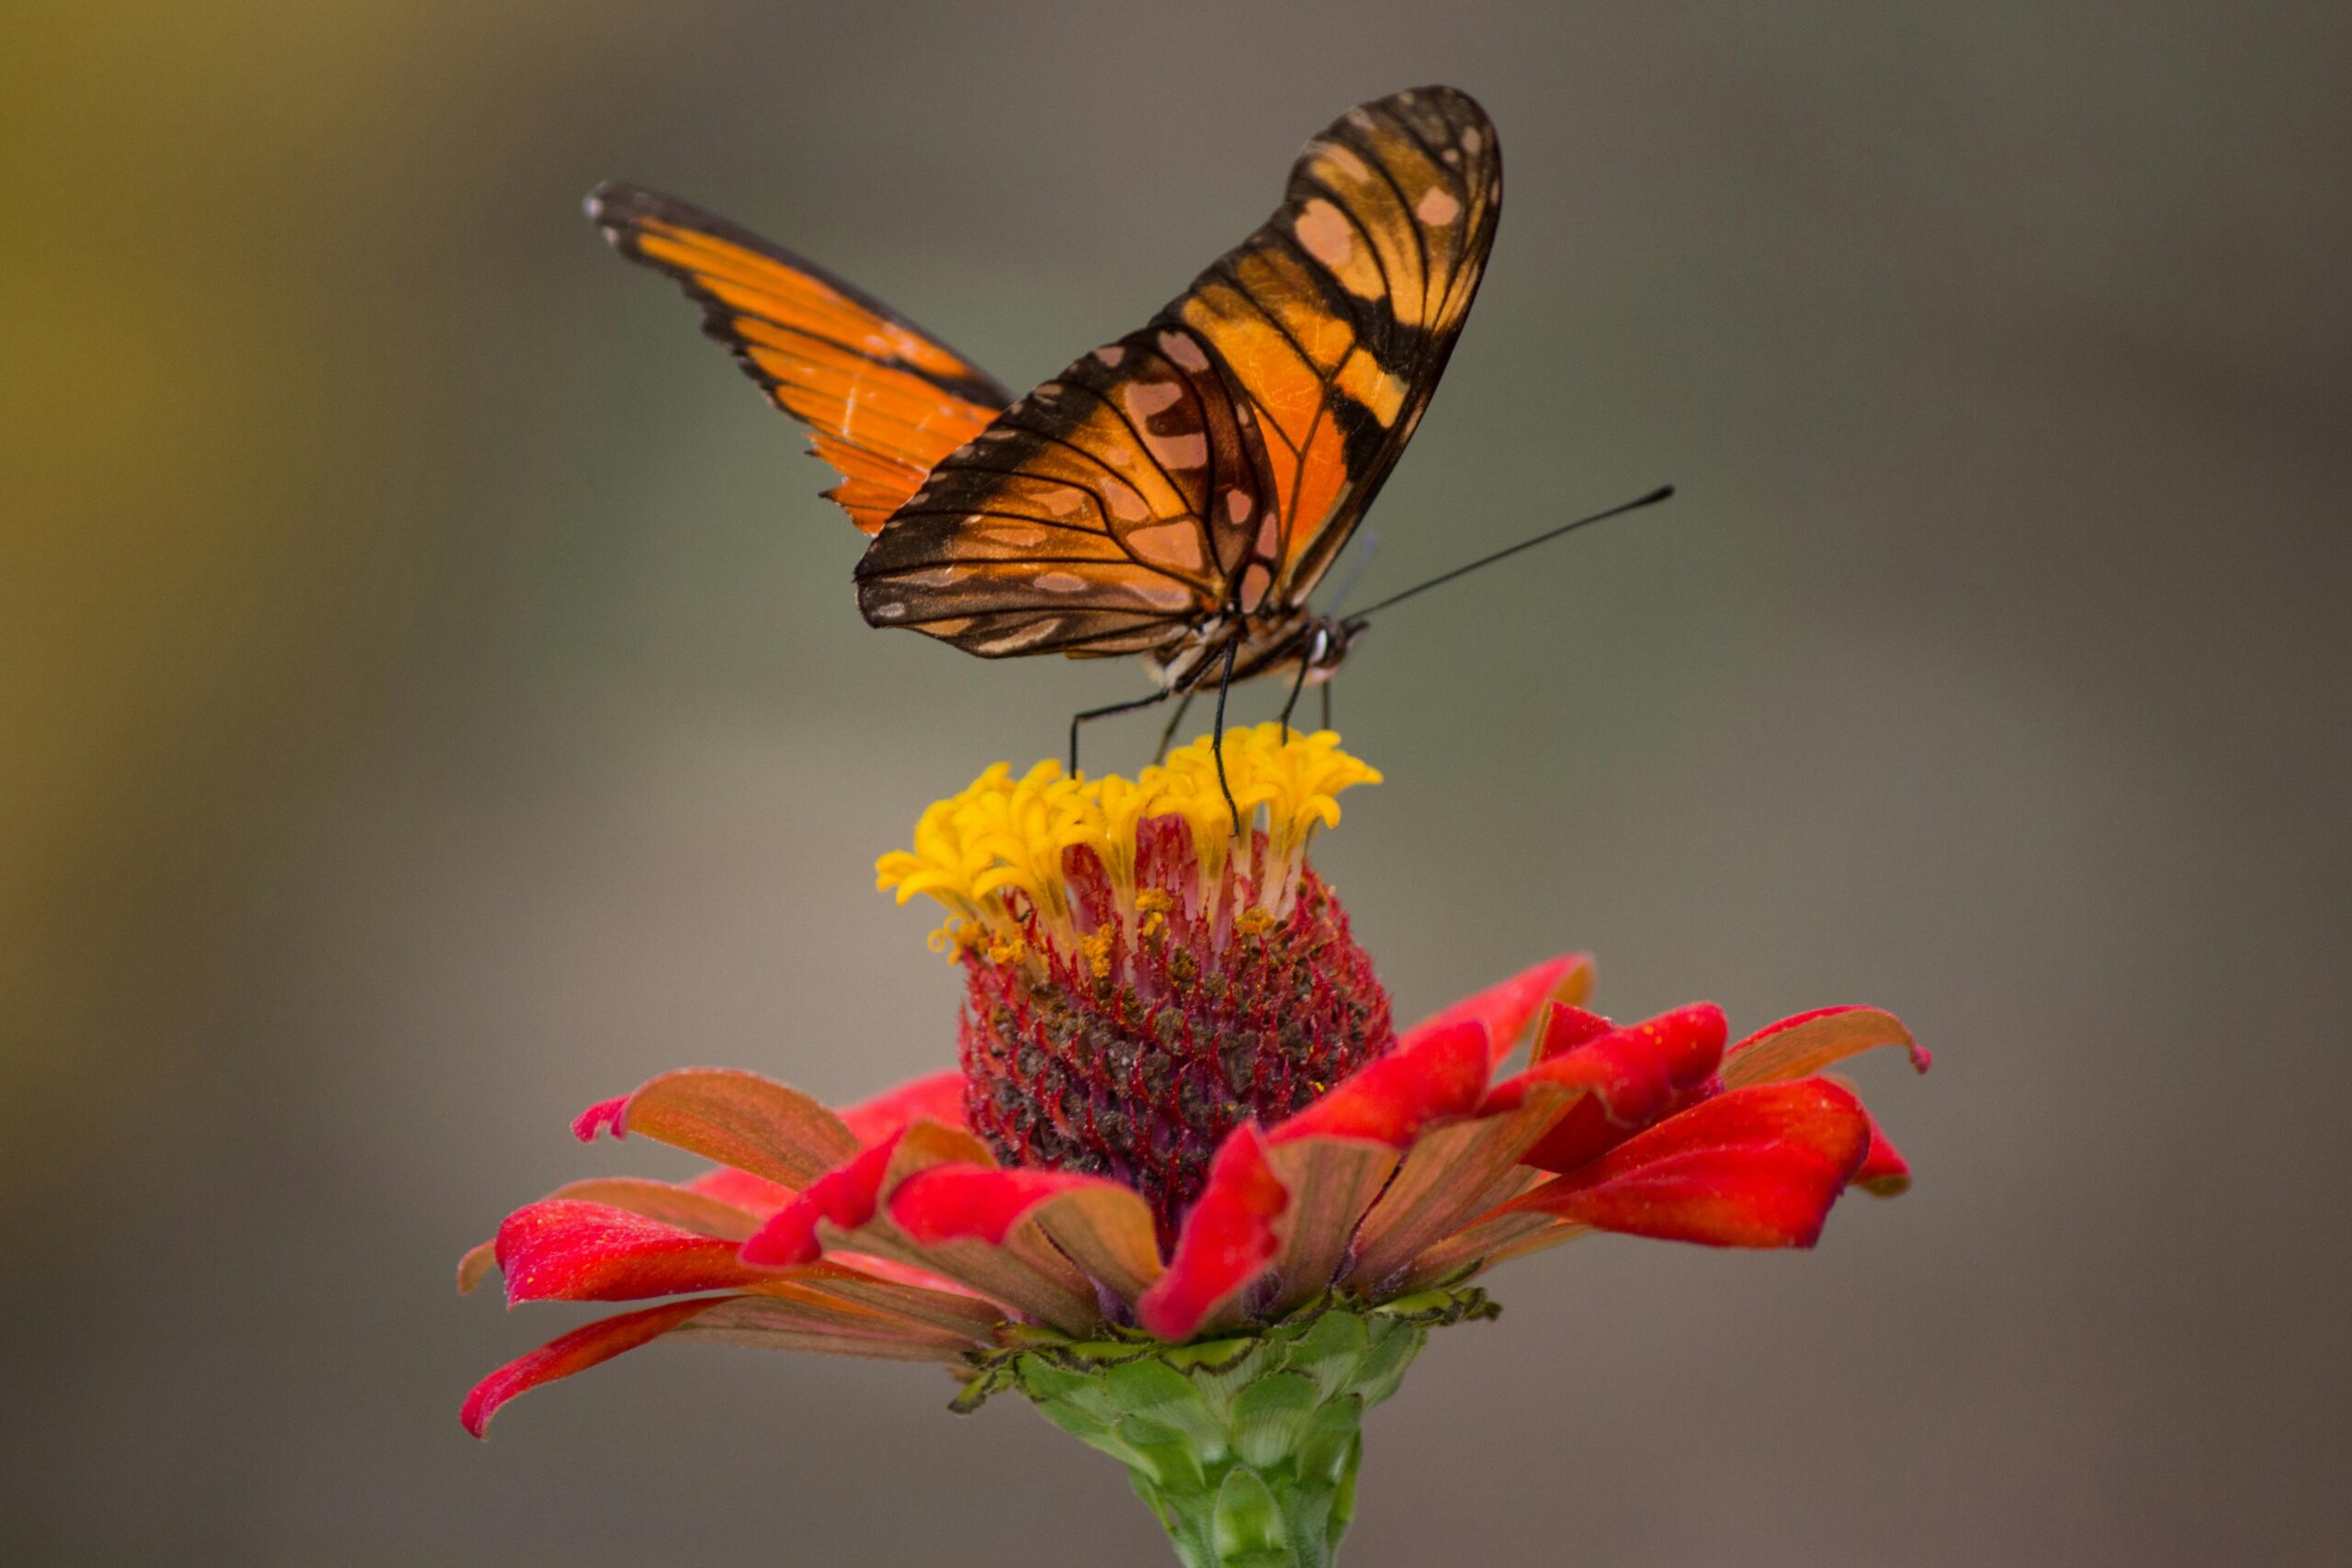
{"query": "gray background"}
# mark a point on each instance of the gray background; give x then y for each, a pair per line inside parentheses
(435, 701)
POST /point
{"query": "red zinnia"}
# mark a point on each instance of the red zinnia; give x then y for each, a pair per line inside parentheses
(1183, 1119)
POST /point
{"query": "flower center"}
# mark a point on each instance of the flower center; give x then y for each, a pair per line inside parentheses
(1139, 977)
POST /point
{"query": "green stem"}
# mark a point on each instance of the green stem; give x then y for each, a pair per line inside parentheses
(1245, 1448)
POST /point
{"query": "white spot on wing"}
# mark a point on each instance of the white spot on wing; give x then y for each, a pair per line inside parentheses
(1183, 351)
(1179, 451)
(1175, 546)
(1029, 636)
(1148, 398)
(1324, 235)
(1125, 503)
(1437, 207)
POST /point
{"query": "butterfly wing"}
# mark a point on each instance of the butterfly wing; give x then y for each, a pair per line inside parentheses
(1107, 511)
(885, 399)
(1221, 457)
(1336, 317)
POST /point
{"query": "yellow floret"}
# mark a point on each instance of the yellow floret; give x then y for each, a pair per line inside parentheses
(1003, 836)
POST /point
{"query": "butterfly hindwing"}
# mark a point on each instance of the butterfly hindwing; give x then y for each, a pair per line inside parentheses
(885, 399)
(1106, 511)
(1218, 459)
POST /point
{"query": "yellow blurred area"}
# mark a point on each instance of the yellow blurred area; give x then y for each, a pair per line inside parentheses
(203, 411)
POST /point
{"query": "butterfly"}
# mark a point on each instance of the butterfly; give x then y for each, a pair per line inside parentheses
(1178, 493)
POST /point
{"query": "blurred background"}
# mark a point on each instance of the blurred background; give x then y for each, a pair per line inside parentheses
(433, 700)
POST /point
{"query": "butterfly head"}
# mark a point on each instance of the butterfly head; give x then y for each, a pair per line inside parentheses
(1328, 638)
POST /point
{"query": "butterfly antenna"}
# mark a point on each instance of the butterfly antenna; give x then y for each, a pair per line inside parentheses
(1549, 533)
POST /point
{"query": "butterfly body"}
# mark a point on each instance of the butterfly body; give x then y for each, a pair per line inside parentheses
(1310, 645)
(1178, 492)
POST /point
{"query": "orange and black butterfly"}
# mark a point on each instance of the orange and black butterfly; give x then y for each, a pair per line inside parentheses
(1178, 493)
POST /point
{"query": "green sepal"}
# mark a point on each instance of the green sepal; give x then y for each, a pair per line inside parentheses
(1244, 1446)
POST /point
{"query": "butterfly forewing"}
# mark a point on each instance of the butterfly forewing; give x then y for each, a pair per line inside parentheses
(1218, 459)
(1336, 317)
(885, 399)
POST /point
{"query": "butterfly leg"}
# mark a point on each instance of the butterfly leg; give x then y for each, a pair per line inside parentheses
(1217, 742)
(1295, 688)
(1077, 718)
(1326, 690)
(1175, 723)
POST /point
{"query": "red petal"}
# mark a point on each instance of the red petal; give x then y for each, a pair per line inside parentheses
(1564, 1028)
(970, 1202)
(665, 1201)
(846, 1196)
(575, 1353)
(567, 1250)
(1884, 1172)
(939, 1098)
(1800, 1046)
(1227, 1239)
(1438, 1074)
(597, 1118)
(1756, 1167)
(1506, 1008)
(1627, 1077)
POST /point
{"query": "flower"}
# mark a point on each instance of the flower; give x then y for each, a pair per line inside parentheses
(1190, 1189)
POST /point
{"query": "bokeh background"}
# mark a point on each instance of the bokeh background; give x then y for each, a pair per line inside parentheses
(434, 701)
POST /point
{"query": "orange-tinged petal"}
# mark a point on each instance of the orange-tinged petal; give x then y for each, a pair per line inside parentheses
(574, 1352)
(475, 1265)
(1508, 1007)
(1800, 1046)
(735, 1118)
(1227, 1240)
(1754, 1167)
(1449, 1178)
(1108, 1231)
(774, 1322)
(1332, 1183)
(756, 1195)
